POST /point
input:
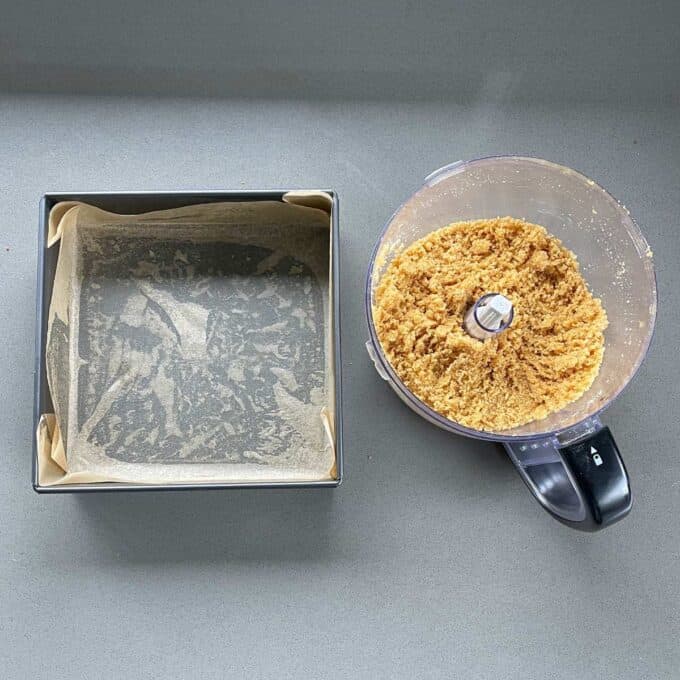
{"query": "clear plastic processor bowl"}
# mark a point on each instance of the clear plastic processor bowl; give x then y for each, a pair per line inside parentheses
(616, 261)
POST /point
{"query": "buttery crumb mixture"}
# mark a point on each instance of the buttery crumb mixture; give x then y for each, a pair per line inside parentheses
(547, 358)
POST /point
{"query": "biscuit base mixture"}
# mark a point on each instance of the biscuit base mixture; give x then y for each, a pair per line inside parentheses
(547, 358)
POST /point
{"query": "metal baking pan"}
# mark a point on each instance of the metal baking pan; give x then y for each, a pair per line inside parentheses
(140, 202)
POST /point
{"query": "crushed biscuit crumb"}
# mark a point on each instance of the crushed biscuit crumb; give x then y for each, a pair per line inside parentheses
(548, 357)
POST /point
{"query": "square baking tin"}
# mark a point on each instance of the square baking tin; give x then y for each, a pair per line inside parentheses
(142, 202)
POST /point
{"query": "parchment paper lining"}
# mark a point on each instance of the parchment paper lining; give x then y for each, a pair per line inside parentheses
(190, 345)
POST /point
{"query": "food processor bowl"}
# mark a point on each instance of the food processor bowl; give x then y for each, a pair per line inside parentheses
(568, 459)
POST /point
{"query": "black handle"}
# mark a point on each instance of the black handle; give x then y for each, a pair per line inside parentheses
(598, 471)
(583, 484)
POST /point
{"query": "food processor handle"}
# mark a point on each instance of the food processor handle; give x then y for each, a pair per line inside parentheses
(583, 484)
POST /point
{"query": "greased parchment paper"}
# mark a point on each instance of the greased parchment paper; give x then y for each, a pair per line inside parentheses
(190, 345)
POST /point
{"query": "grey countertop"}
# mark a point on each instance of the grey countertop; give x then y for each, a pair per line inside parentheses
(431, 560)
